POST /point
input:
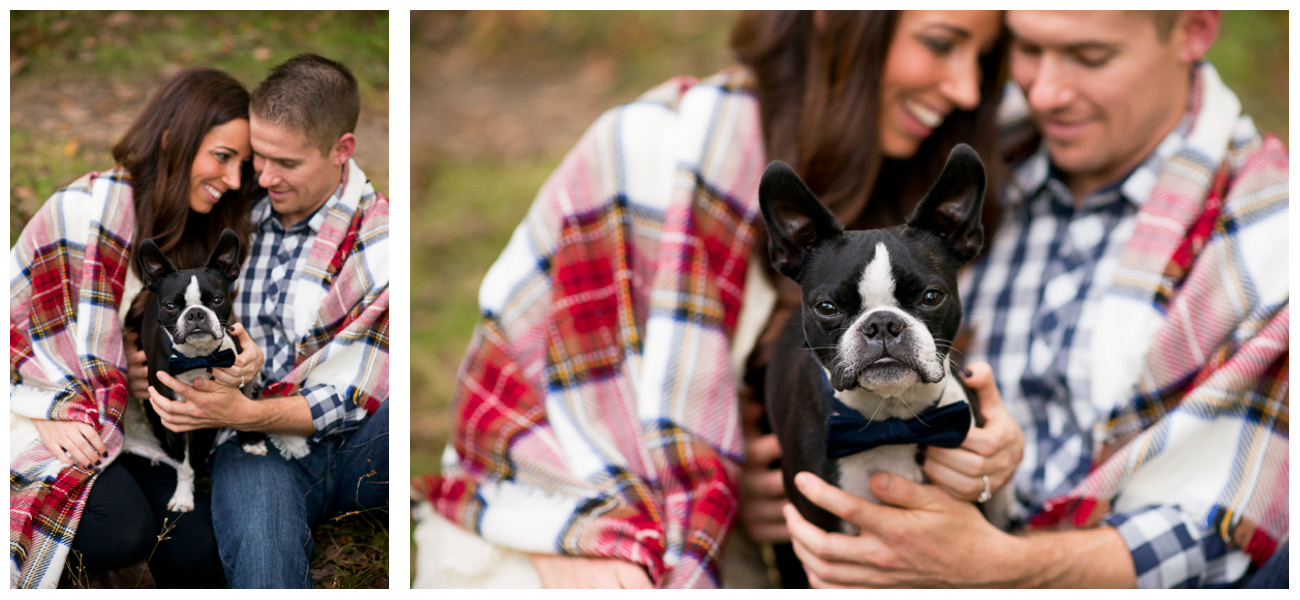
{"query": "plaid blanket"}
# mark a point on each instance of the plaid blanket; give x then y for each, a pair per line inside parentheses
(346, 278)
(595, 413)
(1191, 353)
(66, 360)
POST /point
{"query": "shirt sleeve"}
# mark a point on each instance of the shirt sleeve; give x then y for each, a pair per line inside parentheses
(1171, 550)
(331, 413)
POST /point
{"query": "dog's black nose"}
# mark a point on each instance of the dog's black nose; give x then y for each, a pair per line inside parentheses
(194, 315)
(883, 325)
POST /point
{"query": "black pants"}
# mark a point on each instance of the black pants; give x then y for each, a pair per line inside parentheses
(124, 516)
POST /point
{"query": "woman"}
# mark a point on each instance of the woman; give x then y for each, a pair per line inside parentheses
(183, 175)
(597, 436)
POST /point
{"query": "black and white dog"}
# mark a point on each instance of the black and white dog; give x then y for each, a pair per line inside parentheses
(863, 378)
(184, 332)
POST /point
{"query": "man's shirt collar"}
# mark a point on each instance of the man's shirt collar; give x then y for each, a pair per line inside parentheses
(1038, 172)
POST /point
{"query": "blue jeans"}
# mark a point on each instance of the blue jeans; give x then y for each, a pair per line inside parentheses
(263, 507)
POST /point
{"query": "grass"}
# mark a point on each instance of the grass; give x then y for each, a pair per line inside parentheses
(467, 198)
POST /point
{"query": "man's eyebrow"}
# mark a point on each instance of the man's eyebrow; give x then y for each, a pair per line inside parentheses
(1090, 45)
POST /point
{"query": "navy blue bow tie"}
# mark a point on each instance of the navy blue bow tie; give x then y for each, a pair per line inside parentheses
(849, 433)
(179, 363)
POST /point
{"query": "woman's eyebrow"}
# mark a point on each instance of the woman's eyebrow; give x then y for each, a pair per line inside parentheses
(955, 30)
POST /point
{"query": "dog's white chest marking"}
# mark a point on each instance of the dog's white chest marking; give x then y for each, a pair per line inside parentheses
(877, 284)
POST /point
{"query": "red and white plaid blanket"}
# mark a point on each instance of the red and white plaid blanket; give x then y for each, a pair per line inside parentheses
(66, 360)
(596, 413)
(1192, 343)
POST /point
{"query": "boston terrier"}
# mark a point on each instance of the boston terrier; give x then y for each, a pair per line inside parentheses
(184, 332)
(863, 378)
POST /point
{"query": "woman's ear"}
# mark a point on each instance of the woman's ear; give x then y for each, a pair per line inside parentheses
(163, 142)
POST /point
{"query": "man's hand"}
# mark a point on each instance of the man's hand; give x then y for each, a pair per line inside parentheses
(137, 367)
(570, 572)
(762, 493)
(207, 405)
(248, 363)
(72, 442)
(994, 450)
(925, 538)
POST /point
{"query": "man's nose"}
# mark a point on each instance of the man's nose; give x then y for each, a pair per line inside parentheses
(1050, 88)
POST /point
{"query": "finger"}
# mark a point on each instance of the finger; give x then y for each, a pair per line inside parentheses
(176, 386)
(91, 436)
(81, 452)
(981, 381)
(228, 377)
(632, 577)
(56, 449)
(769, 532)
(903, 493)
(768, 485)
(955, 484)
(764, 511)
(763, 450)
(961, 460)
(838, 502)
(983, 441)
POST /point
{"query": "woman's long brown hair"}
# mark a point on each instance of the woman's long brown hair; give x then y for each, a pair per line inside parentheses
(159, 150)
(819, 101)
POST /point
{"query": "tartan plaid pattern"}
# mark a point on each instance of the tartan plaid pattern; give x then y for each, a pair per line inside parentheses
(1179, 435)
(315, 298)
(67, 272)
(596, 411)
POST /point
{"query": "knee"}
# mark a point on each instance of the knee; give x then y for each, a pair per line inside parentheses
(113, 537)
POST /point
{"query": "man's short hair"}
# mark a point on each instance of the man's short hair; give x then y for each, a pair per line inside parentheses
(311, 94)
(1165, 20)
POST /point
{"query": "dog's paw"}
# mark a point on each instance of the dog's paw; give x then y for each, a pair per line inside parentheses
(257, 448)
(291, 446)
(182, 501)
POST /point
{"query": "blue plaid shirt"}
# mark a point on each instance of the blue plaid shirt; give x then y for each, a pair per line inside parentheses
(265, 305)
(1031, 305)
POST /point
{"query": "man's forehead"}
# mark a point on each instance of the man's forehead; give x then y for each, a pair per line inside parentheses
(1064, 28)
(279, 144)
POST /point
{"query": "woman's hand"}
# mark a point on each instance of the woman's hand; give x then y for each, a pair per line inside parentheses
(72, 442)
(762, 492)
(137, 367)
(994, 450)
(248, 363)
(569, 572)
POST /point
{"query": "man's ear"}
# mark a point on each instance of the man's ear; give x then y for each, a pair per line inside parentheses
(343, 149)
(1197, 32)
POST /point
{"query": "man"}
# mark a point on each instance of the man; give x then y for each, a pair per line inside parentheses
(1134, 311)
(314, 297)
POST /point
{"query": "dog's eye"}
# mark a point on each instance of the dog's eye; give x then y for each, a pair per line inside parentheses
(931, 298)
(217, 300)
(826, 309)
(170, 306)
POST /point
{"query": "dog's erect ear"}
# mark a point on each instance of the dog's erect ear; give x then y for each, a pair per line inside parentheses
(952, 208)
(225, 257)
(153, 265)
(796, 221)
